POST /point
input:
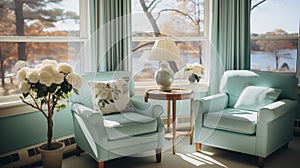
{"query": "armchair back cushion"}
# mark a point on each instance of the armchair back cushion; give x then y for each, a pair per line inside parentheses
(85, 97)
(234, 82)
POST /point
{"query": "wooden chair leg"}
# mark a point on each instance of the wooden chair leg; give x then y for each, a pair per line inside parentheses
(198, 147)
(100, 164)
(78, 150)
(261, 161)
(158, 155)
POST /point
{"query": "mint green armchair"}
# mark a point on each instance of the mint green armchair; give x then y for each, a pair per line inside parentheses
(252, 113)
(106, 137)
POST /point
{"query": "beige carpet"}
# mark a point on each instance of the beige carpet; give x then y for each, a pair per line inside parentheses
(186, 157)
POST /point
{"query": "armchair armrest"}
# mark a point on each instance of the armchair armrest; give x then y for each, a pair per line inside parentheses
(210, 103)
(276, 109)
(92, 122)
(147, 109)
(275, 125)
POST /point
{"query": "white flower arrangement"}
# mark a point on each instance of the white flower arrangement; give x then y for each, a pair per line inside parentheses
(20, 64)
(194, 72)
(47, 85)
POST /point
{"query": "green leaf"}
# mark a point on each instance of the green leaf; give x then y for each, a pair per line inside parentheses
(43, 101)
(52, 88)
(65, 87)
(42, 91)
(25, 94)
(63, 106)
(76, 91)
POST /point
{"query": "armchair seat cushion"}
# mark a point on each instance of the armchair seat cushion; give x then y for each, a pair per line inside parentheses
(128, 124)
(234, 120)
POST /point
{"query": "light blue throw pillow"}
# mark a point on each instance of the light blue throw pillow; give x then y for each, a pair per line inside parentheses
(254, 97)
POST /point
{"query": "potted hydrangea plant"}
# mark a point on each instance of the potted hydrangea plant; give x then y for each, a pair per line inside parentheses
(194, 72)
(47, 87)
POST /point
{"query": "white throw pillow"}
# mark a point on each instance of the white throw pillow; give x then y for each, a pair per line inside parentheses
(254, 97)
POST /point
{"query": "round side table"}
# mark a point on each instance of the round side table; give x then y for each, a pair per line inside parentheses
(173, 95)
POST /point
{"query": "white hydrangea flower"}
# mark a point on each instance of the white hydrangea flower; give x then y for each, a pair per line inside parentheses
(188, 73)
(189, 66)
(48, 68)
(198, 71)
(58, 78)
(24, 87)
(49, 62)
(76, 81)
(46, 78)
(69, 78)
(21, 75)
(65, 68)
(32, 75)
(20, 64)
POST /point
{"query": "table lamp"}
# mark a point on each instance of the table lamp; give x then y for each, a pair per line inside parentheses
(164, 51)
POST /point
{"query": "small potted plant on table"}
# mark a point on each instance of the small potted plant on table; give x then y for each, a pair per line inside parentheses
(194, 72)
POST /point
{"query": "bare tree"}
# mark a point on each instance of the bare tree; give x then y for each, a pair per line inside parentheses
(257, 4)
(32, 10)
(195, 19)
(276, 46)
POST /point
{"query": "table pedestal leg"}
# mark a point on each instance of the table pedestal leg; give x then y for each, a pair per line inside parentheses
(191, 123)
(169, 116)
(174, 125)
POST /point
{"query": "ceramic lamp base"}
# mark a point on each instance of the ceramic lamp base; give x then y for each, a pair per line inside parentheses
(164, 77)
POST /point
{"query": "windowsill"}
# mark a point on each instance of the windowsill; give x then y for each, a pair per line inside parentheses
(13, 108)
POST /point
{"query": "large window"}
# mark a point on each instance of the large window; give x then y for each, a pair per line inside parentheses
(183, 21)
(275, 35)
(36, 30)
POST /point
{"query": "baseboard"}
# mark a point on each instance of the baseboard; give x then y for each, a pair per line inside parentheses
(30, 155)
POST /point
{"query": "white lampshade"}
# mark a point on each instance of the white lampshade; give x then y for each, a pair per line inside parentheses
(164, 50)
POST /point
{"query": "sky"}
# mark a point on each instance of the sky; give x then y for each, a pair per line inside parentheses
(267, 17)
(276, 14)
(270, 15)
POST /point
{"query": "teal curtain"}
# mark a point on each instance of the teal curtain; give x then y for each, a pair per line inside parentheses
(230, 38)
(114, 35)
(93, 40)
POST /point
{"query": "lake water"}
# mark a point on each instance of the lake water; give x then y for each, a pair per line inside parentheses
(259, 60)
(266, 60)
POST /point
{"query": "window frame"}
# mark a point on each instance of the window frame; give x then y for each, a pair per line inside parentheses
(12, 101)
(202, 86)
(286, 38)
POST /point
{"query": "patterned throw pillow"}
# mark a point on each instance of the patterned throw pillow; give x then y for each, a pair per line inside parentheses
(111, 96)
